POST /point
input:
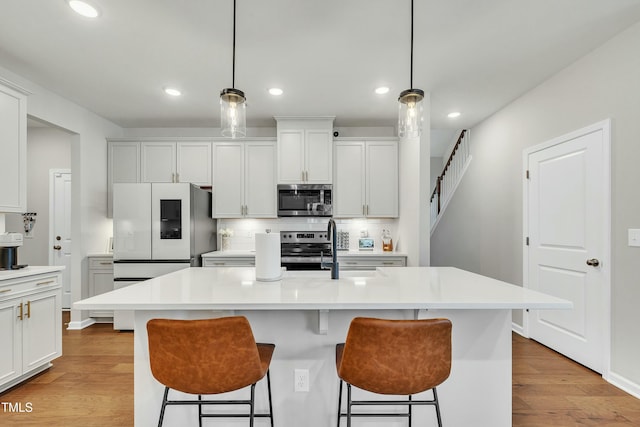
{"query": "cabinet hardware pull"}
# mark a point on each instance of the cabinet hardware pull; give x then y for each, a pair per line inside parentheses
(218, 263)
(302, 173)
(20, 316)
(363, 210)
(350, 262)
(387, 262)
(367, 210)
(306, 176)
(45, 283)
(28, 309)
(106, 263)
(177, 177)
(4, 291)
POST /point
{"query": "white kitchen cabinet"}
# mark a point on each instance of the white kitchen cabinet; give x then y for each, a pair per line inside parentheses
(244, 182)
(123, 167)
(176, 162)
(366, 179)
(13, 146)
(370, 262)
(157, 161)
(30, 326)
(100, 281)
(305, 150)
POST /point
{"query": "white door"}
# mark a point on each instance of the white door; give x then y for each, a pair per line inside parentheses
(382, 179)
(60, 233)
(568, 254)
(228, 180)
(290, 156)
(260, 180)
(158, 162)
(132, 221)
(318, 156)
(349, 191)
(194, 162)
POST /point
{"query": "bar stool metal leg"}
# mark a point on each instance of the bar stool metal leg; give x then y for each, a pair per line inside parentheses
(164, 405)
(348, 405)
(200, 411)
(269, 391)
(251, 408)
(410, 411)
(339, 403)
(435, 398)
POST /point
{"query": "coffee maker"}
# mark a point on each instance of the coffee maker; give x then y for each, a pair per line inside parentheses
(9, 243)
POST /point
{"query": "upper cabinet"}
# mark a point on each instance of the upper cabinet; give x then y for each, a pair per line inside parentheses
(157, 161)
(244, 179)
(366, 179)
(305, 150)
(13, 146)
(176, 162)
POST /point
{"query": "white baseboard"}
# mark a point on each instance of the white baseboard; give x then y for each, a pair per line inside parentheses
(80, 325)
(518, 329)
(624, 384)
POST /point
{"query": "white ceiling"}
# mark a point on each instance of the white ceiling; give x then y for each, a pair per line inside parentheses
(328, 56)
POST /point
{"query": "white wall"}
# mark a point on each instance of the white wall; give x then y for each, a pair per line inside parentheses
(482, 228)
(47, 148)
(89, 166)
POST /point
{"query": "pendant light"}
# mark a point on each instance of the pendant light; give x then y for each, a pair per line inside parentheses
(410, 103)
(233, 117)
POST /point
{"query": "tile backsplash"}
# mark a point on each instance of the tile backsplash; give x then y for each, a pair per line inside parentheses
(244, 230)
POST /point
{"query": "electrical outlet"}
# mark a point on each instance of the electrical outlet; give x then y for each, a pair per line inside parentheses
(301, 380)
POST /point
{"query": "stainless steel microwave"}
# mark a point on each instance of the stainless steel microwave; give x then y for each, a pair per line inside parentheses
(304, 200)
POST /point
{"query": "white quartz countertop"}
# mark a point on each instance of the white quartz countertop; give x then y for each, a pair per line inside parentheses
(29, 271)
(232, 288)
(252, 254)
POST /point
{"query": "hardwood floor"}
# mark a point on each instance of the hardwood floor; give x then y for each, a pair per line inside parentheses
(92, 385)
(551, 390)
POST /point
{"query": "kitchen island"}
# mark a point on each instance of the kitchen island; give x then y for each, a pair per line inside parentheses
(305, 314)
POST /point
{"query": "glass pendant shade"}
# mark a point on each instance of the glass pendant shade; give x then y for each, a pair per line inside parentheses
(233, 113)
(410, 108)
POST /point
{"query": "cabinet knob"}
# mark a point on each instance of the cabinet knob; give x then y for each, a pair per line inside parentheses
(57, 247)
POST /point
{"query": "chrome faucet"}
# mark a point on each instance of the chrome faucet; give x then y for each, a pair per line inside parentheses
(335, 271)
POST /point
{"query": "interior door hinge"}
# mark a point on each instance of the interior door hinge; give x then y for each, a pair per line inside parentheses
(527, 241)
(527, 174)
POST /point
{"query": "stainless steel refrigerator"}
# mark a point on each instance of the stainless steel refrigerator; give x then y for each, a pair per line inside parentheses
(158, 228)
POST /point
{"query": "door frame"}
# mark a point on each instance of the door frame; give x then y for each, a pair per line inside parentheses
(605, 127)
(52, 173)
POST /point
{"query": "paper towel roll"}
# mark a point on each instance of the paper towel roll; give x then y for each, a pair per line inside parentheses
(268, 257)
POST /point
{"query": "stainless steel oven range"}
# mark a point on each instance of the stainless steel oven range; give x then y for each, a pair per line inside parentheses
(304, 250)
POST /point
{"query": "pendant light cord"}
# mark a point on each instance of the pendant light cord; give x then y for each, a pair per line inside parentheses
(411, 71)
(233, 72)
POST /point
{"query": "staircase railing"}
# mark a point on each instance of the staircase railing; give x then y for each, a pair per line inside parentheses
(448, 180)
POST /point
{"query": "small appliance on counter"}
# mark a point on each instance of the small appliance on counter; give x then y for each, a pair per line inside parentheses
(365, 243)
(9, 243)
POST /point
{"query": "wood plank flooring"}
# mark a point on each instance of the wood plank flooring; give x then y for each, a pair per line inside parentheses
(551, 390)
(92, 385)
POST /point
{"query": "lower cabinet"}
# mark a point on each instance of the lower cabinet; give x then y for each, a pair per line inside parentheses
(371, 262)
(239, 261)
(30, 326)
(100, 281)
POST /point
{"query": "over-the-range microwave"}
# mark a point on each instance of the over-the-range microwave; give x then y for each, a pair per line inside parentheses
(304, 200)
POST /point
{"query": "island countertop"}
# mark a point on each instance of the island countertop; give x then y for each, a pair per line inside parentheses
(386, 288)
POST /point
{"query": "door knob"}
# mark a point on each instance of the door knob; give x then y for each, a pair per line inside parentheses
(593, 262)
(57, 247)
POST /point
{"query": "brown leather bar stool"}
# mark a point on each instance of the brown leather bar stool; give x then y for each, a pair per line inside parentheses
(394, 357)
(208, 356)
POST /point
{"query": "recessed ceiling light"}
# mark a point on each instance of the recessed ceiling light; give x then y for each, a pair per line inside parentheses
(172, 91)
(382, 90)
(83, 8)
(453, 115)
(275, 91)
